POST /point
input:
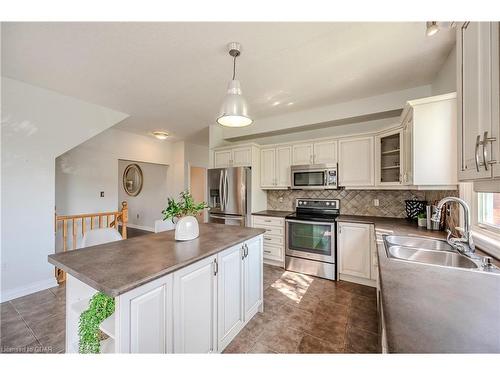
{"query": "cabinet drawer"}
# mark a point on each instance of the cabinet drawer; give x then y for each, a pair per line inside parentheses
(273, 231)
(273, 252)
(268, 220)
(273, 240)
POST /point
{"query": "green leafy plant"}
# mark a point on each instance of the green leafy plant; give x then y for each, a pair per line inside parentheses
(185, 206)
(101, 307)
(421, 215)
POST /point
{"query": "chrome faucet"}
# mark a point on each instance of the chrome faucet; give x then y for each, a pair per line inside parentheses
(463, 244)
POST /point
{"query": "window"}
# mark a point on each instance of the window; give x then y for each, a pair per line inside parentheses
(488, 212)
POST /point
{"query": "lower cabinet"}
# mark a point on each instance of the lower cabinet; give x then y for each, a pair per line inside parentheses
(195, 307)
(355, 251)
(253, 273)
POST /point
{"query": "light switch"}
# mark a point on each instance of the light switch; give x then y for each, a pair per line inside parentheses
(102, 194)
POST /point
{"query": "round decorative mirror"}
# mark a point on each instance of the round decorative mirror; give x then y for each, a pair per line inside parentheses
(132, 179)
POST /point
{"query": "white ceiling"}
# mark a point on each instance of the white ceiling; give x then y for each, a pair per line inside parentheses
(173, 76)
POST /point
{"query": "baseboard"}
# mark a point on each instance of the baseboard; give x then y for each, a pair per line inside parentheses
(149, 229)
(358, 280)
(27, 289)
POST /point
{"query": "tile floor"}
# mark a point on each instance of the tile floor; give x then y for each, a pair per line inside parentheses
(302, 314)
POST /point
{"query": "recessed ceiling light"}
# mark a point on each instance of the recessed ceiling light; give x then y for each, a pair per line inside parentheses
(160, 134)
(290, 103)
(276, 103)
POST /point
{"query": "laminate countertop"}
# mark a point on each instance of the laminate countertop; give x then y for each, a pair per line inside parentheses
(273, 213)
(434, 309)
(117, 267)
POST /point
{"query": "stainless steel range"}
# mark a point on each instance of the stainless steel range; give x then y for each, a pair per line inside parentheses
(311, 246)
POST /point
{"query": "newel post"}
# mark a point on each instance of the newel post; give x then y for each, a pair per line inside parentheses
(124, 219)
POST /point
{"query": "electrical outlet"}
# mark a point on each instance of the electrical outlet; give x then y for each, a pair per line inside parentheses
(102, 194)
(280, 199)
(376, 202)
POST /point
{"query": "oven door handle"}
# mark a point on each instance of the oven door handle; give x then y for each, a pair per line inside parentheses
(309, 222)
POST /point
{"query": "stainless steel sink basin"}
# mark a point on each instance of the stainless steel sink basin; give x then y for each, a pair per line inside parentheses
(437, 257)
(419, 242)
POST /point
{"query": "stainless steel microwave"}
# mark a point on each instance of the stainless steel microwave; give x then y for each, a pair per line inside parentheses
(314, 176)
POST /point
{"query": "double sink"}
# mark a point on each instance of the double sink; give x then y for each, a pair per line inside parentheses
(427, 250)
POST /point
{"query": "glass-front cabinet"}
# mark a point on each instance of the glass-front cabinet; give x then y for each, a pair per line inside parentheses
(389, 157)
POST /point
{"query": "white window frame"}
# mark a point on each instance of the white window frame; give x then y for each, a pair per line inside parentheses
(486, 237)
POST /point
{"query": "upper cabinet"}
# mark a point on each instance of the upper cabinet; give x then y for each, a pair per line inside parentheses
(429, 143)
(389, 158)
(275, 167)
(356, 162)
(478, 101)
(235, 157)
(323, 152)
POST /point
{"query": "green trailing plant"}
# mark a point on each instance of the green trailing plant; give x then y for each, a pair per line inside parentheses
(185, 206)
(422, 215)
(101, 307)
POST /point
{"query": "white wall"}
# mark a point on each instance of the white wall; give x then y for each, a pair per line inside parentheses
(446, 79)
(362, 107)
(146, 207)
(37, 126)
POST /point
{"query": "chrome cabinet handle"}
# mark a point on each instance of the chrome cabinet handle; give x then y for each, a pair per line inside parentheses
(243, 251)
(486, 140)
(476, 155)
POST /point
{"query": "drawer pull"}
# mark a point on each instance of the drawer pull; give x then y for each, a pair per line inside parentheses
(267, 221)
(268, 238)
(267, 251)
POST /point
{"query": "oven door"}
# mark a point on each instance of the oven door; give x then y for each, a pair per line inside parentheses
(310, 240)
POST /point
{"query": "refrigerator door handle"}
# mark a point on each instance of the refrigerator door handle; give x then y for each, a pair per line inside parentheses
(226, 187)
(221, 195)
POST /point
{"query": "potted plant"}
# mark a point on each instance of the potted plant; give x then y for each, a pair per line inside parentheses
(182, 213)
(101, 307)
(422, 219)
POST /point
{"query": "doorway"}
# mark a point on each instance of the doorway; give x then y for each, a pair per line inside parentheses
(198, 188)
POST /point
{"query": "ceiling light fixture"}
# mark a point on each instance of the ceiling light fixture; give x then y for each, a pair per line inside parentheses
(432, 28)
(160, 134)
(234, 110)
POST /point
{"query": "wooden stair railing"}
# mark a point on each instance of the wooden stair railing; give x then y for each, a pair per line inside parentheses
(92, 221)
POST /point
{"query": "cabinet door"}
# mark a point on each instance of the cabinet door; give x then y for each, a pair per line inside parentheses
(230, 295)
(195, 306)
(325, 152)
(242, 157)
(253, 277)
(389, 158)
(474, 52)
(148, 322)
(303, 154)
(354, 247)
(408, 150)
(267, 168)
(283, 162)
(222, 159)
(356, 162)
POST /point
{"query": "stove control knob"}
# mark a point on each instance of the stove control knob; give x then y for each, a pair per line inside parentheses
(327, 203)
(304, 203)
(300, 202)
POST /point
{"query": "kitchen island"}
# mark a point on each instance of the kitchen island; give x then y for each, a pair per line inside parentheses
(170, 296)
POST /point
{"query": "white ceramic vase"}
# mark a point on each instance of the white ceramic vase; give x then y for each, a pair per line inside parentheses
(187, 229)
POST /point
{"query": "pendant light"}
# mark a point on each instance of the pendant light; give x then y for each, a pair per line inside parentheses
(234, 110)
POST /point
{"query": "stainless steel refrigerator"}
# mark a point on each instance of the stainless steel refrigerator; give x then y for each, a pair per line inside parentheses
(229, 198)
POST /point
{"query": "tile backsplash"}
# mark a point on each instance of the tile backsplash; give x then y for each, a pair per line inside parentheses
(360, 202)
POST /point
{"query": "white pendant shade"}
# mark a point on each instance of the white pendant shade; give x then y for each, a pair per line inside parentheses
(234, 110)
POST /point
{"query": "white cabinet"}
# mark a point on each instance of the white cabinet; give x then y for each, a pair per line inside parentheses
(195, 307)
(321, 152)
(240, 289)
(236, 157)
(230, 294)
(356, 162)
(430, 132)
(222, 159)
(268, 168)
(303, 154)
(253, 277)
(325, 152)
(283, 162)
(389, 155)
(274, 238)
(355, 242)
(275, 167)
(478, 100)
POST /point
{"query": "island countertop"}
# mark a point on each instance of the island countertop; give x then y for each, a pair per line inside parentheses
(117, 267)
